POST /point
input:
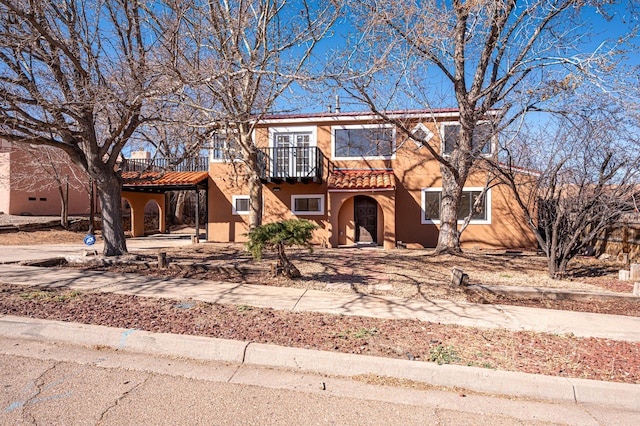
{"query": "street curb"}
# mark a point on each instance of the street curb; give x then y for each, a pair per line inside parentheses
(476, 379)
(132, 340)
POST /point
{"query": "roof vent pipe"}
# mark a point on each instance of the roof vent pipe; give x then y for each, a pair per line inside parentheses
(337, 103)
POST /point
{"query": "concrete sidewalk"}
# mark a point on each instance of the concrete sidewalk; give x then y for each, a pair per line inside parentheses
(440, 311)
(14, 254)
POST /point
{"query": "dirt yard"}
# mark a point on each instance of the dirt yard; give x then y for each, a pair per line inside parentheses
(401, 273)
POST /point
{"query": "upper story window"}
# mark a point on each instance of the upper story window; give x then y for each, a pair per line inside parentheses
(223, 148)
(364, 142)
(292, 137)
(482, 138)
(292, 151)
(422, 135)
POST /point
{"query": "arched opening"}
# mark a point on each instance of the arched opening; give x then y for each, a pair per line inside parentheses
(151, 217)
(379, 206)
(127, 216)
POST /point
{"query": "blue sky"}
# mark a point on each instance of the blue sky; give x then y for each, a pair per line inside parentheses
(599, 32)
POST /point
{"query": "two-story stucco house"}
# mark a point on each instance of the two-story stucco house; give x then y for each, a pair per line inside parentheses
(361, 180)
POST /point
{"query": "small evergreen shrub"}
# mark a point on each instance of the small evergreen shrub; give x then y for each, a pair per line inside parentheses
(278, 236)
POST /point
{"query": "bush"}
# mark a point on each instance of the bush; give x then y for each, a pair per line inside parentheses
(278, 235)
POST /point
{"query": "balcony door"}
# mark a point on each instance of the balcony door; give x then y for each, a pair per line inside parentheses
(292, 154)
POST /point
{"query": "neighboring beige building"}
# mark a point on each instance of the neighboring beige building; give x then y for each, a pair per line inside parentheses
(360, 180)
(23, 191)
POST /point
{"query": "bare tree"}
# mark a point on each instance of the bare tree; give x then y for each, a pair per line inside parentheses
(580, 175)
(176, 144)
(76, 75)
(495, 60)
(46, 168)
(236, 59)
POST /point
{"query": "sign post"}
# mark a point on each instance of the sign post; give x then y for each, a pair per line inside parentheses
(89, 241)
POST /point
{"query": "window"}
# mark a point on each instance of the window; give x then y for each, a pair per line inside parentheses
(422, 134)
(307, 204)
(223, 148)
(482, 138)
(368, 141)
(241, 204)
(431, 198)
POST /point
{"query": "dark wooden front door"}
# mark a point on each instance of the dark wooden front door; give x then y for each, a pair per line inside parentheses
(366, 218)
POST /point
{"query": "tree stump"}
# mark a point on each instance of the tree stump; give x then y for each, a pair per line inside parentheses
(162, 260)
(459, 278)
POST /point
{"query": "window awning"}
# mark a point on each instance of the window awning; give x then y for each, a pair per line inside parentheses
(355, 180)
(164, 181)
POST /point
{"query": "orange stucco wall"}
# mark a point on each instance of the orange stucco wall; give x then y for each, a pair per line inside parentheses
(224, 225)
(399, 209)
(138, 201)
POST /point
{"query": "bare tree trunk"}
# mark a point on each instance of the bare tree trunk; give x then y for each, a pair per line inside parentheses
(551, 266)
(92, 207)
(255, 190)
(179, 212)
(557, 266)
(288, 269)
(449, 237)
(63, 190)
(558, 263)
(110, 193)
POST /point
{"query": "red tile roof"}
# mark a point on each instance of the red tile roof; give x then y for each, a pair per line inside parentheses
(362, 179)
(152, 179)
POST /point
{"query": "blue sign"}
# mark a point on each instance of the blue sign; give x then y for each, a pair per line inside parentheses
(90, 239)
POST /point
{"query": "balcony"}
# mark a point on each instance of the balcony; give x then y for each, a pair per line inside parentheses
(291, 165)
(198, 164)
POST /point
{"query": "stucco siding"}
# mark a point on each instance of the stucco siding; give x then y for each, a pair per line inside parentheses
(400, 209)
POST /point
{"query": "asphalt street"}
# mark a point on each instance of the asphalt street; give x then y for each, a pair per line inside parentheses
(44, 383)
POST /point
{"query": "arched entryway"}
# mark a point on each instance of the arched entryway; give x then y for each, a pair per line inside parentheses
(365, 217)
(359, 219)
(361, 208)
(152, 217)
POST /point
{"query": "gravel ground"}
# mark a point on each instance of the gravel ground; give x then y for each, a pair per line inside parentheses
(401, 273)
(537, 353)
